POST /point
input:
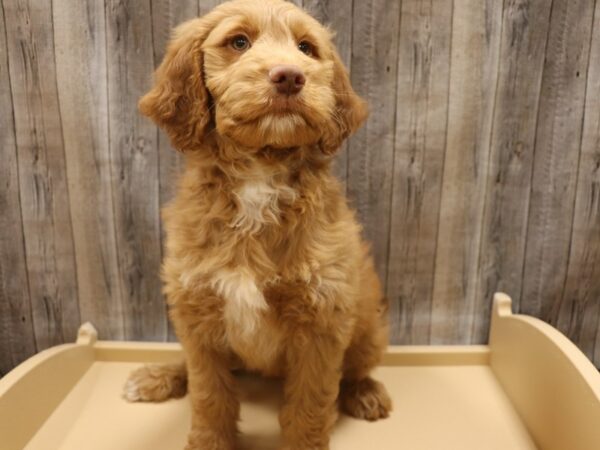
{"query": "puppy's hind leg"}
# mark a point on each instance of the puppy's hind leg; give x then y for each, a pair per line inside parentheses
(156, 383)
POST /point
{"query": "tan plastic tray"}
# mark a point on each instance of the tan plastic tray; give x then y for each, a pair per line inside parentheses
(531, 388)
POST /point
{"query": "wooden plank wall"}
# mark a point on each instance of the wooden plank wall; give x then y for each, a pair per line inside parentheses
(478, 170)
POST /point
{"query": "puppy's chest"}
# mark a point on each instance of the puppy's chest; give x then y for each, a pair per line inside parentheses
(260, 203)
(249, 322)
(252, 325)
(254, 336)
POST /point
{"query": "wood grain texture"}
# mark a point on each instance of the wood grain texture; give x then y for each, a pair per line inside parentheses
(80, 42)
(42, 176)
(502, 250)
(421, 118)
(135, 174)
(578, 312)
(205, 6)
(337, 15)
(17, 340)
(478, 170)
(371, 150)
(476, 29)
(557, 148)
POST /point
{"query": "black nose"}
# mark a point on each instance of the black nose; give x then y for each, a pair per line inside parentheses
(287, 79)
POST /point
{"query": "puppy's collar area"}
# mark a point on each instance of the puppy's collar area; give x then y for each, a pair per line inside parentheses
(229, 152)
(279, 152)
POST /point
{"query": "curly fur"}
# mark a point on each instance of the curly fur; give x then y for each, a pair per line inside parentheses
(265, 267)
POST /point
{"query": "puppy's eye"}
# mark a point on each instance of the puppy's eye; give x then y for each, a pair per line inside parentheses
(306, 48)
(240, 43)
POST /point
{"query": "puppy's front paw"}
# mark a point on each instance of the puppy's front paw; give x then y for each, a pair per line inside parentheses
(155, 383)
(365, 399)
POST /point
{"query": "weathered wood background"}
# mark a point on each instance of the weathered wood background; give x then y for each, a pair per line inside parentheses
(479, 168)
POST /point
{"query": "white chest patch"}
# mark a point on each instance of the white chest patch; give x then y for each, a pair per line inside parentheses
(244, 302)
(258, 204)
(245, 307)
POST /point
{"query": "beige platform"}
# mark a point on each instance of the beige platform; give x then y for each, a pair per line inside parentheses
(529, 389)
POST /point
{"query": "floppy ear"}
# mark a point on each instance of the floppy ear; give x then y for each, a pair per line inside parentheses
(179, 102)
(350, 110)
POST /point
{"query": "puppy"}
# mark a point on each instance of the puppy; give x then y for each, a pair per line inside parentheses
(265, 268)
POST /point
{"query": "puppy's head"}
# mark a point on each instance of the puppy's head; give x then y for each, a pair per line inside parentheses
(260, 73)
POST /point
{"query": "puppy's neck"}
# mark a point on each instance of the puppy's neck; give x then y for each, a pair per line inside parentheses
(262, 187)
(243, 163)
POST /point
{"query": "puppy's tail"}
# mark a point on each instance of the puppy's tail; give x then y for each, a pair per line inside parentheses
(156, 383)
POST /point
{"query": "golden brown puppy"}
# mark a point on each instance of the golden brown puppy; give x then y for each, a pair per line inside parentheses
(264, 267)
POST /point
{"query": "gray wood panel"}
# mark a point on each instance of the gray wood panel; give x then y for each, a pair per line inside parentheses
(135, 174)
(557, 148)
(17, 339)
(42, 176)
(578, 312)
(502, 249)
(370, 152)
(80, 42)
(421, 118)
(476, 32)
(478, 169)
